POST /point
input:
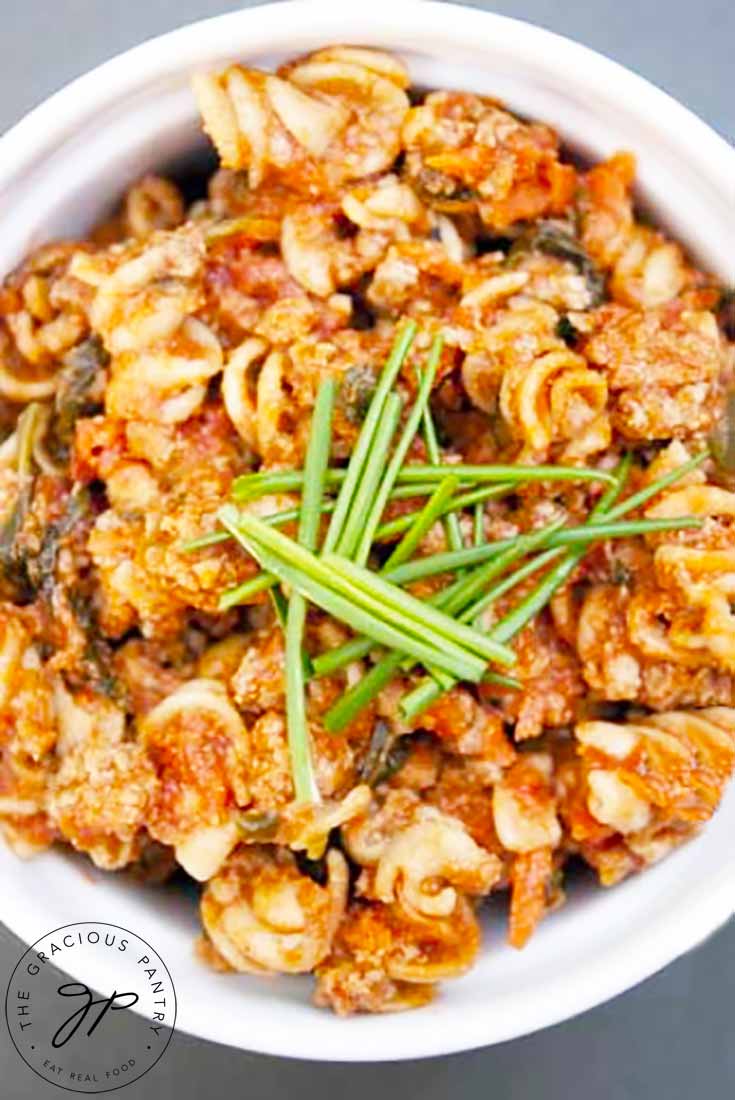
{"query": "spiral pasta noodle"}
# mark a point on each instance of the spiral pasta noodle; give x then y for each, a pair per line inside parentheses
(336, 113)
(162, 355)
(46, 320)
(557, 399)
(647, 784)
(197, 819)
(263, 916)
(697, 583)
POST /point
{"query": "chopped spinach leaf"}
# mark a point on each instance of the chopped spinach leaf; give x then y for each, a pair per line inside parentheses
(356, 389)
(566, 331)
(554, 239)
(80, 386)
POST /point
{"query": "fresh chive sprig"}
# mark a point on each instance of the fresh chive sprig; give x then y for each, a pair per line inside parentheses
(443, 633)
(422, 523)
(242, 593)
(267, 482)
(452, 529)
(375, 512)
(369, 486)
(400, 623)
(361, 451)
(361, 694)
(428, 690)
(450, 600)
(489, 564)
(472, 497)
(478, 523)
(315, 466)
(450, 561)
(400, 604)
(386, 531)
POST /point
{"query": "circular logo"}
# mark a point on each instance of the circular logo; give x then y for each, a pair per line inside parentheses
(101, 1029)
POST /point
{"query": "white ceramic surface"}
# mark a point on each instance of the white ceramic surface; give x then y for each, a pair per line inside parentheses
(65, 164)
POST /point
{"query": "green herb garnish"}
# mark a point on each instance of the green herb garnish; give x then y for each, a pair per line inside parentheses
(452, 530)
(399, 621)
(444, 633)
(317, 460)
(422, 522)
(568, 536)
(13, 561)
(554, 239)
(511, 624)
(450, 600)
(380, 498)
(361, 452)
(370, 479)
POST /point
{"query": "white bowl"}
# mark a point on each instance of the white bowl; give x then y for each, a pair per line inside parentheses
(60, 169)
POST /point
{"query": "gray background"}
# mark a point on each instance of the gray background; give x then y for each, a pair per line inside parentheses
(671, 1038)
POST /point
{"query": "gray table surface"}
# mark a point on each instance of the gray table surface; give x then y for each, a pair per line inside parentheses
(673, 1037)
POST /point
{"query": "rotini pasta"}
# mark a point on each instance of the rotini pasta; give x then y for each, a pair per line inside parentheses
(262, 915)
(419, 859)
(647, 785)
(198, 744)
(332, 117)
(556, 398)
(464, 151)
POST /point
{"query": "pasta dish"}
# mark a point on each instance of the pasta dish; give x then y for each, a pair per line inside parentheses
(368, 530)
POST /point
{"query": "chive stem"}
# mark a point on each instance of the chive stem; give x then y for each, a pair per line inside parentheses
(361, 451)
(448, 562)
(291, 515)
(397, 526)
(211, 538)
(332, 660)
(280, 605)
(621, 474)
(469, 587)
(302, 768)
(478, 524)
(569, 536)
(347, 602)
(401, 605)
(503, 681)
(362, 693)
(452, 530)
(242, 592)
(423, 521)
(449, 600)
(354, 650)
(369, 485)
(395, 465)
(266, 482)
(315, 466)
(498, 473)
(647, 492)
(507, 583)
(427, 692)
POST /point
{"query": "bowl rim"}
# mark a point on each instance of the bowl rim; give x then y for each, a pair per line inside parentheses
(46, 127)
